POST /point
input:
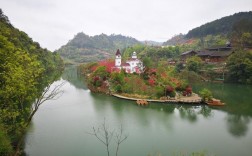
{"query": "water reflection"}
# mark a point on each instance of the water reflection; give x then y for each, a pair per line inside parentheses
(206, 111)
(237, 98)
(71, 75)
(156, 127)
(238, 105)
(237, 125)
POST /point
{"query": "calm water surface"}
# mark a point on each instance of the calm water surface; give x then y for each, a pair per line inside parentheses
(60, 127)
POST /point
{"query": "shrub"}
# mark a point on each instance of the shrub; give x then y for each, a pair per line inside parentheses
(172, 94)
(118, 88)
(159, 91)
(98, 83)
(206, 94)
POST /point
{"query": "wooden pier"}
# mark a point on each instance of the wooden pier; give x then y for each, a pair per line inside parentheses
(194, 99)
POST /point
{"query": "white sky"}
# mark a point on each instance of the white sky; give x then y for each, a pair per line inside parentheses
(53, 23)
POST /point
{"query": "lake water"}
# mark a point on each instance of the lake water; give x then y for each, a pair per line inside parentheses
(61, 127)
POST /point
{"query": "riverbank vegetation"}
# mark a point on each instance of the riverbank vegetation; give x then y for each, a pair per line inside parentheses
(25, 70)
(157, 82)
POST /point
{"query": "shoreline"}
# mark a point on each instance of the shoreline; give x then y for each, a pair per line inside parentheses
(185, 100)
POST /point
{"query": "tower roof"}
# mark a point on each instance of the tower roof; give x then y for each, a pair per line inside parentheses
(118, 52)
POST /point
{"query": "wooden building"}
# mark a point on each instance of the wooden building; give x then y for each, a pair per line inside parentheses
(187, 54)
(211, 55)
(215, 55)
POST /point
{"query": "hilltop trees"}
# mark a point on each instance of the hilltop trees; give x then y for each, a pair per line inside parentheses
(84, 48)
(242, 33)
(220, 26)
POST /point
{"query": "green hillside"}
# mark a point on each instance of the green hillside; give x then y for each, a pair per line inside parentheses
(83, 48)
(25, 69)
(236, 28)
(222, 26)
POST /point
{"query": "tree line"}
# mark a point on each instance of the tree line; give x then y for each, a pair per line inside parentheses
(25, 70)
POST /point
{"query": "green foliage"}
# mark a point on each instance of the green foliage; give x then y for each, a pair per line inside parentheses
(190, 76)
(24, 72)
(152, 55)
(246, 38)
(118, 88)
(128, 51)
(241, 33)
(159, 91)
(5, 144)
(206, 94)
(179, 66)
(101, 72)
(239, 67)
(117, 77)
(194, 63)
(147, 62)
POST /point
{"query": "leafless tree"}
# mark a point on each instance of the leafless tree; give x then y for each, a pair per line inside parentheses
(119, 138)
(51, 92)
(105, 136)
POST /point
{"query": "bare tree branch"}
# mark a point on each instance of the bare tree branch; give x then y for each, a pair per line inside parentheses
(50, 93)
(119, 139)
(105, 136)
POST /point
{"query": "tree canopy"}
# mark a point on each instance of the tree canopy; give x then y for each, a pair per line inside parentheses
(25, 70)
(239, 67)
(219, 26)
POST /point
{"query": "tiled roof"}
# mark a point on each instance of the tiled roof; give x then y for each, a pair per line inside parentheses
(118, 52)
(188, 52)
(215, 53)
(205, 53)
(221, 53)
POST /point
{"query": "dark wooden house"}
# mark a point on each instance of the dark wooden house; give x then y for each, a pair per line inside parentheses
(214, 56)
(187, 54)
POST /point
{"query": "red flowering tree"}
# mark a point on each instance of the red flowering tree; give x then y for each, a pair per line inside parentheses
(109, 64)
(151, 82)
(188, 90)
(170, 91)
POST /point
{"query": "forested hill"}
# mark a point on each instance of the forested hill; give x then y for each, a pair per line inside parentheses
(25, 70)
(177, 39)
(224, 25)
(216, 33)
(83, 48)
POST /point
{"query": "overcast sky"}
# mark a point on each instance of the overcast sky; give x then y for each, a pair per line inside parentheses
(53, 23)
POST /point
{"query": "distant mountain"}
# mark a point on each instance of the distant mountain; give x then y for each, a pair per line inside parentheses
(224, 25)
(83, 48)
(152, 43)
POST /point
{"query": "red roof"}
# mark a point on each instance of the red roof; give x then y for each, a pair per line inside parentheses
(118, 52)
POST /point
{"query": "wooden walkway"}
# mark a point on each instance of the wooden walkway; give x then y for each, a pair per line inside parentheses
(189, 100)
